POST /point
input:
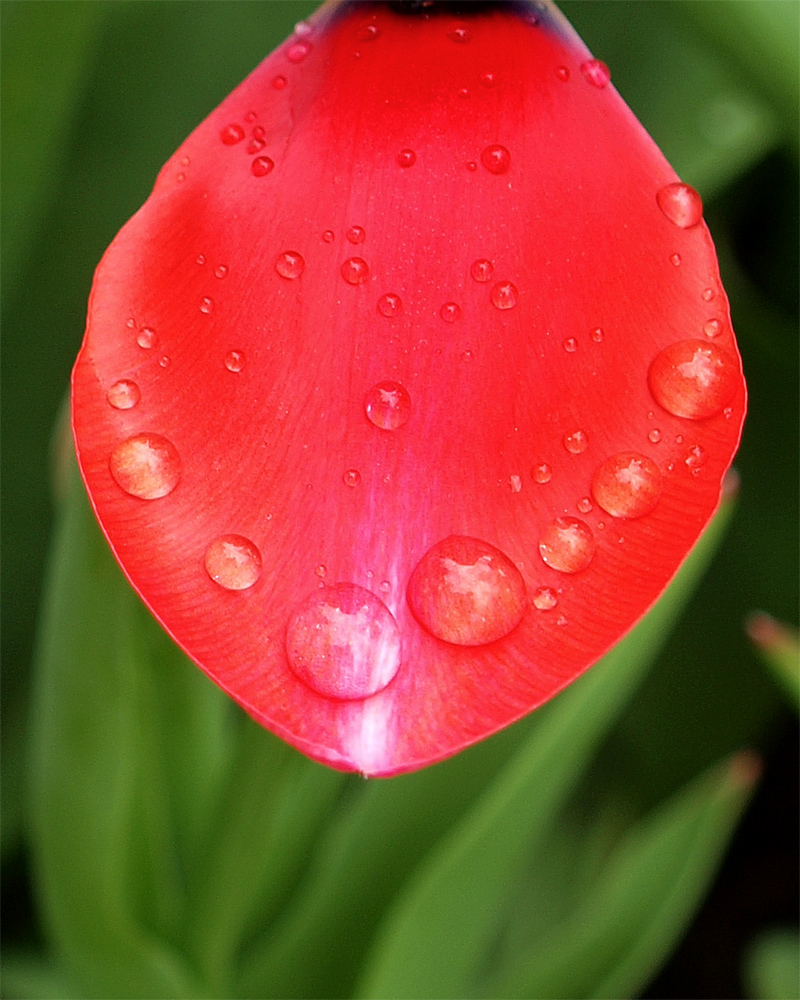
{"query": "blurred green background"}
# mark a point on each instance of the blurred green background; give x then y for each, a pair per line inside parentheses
(96, 95)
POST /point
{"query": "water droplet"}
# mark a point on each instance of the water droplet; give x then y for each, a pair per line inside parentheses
(279, 82)
(180, 178)
(221, 271)
(321, 571)
(570, 345)
(302, 28)
(234, 361)
(146, 466)
(567, 545)
(576, 442)
(406, 157)
(385, 586)
(467, 592)
(185, 161)
(368, 32)
(627, 485)
(206, 305)
(693, 379)
(584, 506)
(545, 599)
(472, 165)
(542, 473)
(450, 312)
(516, 483)
(496, 159)
(598, 335)
(460, 35)
(708, 294)
(261, 166)
(298, 51)
(504, 295)
(488, 79)
(463, 93)
(467, 356)
(562, 72)
(596, 73)
(232, 134)
(352, 477)
(290, 264)
(124, 394)
(681, 204)
(654, 436)
(343, 642)
(712, 328)
(676, 259)
(389, 305)
(728, 411)
(200, 259)
(355, 270)
(388, 405)
(146, 338)
(256, 145)
(356, 234)
(482, 270)
(131, 323)
(164, 361)
(233, 562)
(328, 236)
(695, 457)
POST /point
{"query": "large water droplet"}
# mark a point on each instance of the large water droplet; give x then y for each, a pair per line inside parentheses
(389, 305)
(356, 234)
(388, 405)
(290, 264)
(146, 466)
(261, 166)
(596, 73)
(467, 592)
(232, 134)
(504, 295)
(542, 473)
(627, 485)
(576, 442)
(681, 204)
(693, 379)
(544, 599)
(567, 544)
(482, 270)
(234, 361)
(450, 312)
(355, 270)
(124, 394)
(233, 562)
(146, 338)
(496, 159)
(343, 642)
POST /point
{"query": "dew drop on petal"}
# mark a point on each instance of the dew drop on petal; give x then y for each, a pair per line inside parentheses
(570, 345)
(352, 477)
(676, 259)
(461, 35)
(567, 545)
(124, 394)
(290, 264)
(463, 93)
(598, 335)
(693, 378)
(562, 72)
(256, 145)
(234, 361)
(596, 73)
(343, 642)
(146, 338)
(504, 295)
(368, 33)
(496, 159)
(466, 592)
(681, 204)
(472, 165)
(576, 442)
(261, 166)
(654, 436)
(544, 599)
(482, 270)
(542, 473)
(712, 328)
(356, 234)
(515, 483)
(146, 466)
(450, 312)
(321, 571)
(164, 361)
(389, 305)
(232, 134)
(708, 294)
(221, 271)
(627, 485)
(355, 270)
(279, 82)
(298, 51)
(584, 505)
(467, 356)
(233, 562)
(388, 405)
(406, 157)
(206, 305)
(695, 457)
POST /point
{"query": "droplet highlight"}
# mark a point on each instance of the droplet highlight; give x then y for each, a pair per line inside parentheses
(146, 466)
(567, 545)
(681, 204)
(627, 485)
(388, 405)
(290, 264)
(233, 562)
(124, 394)
(496, 159)
(693, 379)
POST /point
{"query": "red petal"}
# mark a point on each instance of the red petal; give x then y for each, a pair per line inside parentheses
(416, 294)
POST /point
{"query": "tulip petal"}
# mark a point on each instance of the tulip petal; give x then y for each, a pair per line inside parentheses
(420, 283)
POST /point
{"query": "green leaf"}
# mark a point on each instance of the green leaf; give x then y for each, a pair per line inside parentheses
(628, 920)
(779, 647)
(772, 965)
(32, 977)
(442, 922)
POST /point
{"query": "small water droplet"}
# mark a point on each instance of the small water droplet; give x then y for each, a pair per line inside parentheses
(472, 165)
(728, 411)
(124, 394)
(545, 599)
(504, 295)
(355, 270)
(206, 305)
(693, 379)
(185, 161)
(712, 328)
(496, 159)
(681, 204)
(180, 178)
(328, 236)
(290, 264)
(233, 562)
(356, 234)
(482, 270)
(654, 436)
(561, 621)
(562, 72)
(542, 473)
(406, 157)
(695, 457)
(321, 571)
(467, 592)
(221, 271)
(450, 312)
(200, 259)
(598, 335)
(131, 323)
(570, 345)
(352, 477)
(576, 442)
(708, 294)
(234, 361)
(675, 259)
(261, 166)
(596, 73)
(297, 52)
(232, 134)
(385, 586)
(467, 356)
(279, 82)
(627, 485)
(250, 117)
(146, 338)
(463, 93)
(488, 79)
(584, 505)
(388, 405)
(256, 145)
(164, 361)
(461, 35)
(516, 483)
(146, 466)
(679, 439)
(343, 642)
(567, 545)
(368, 32)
